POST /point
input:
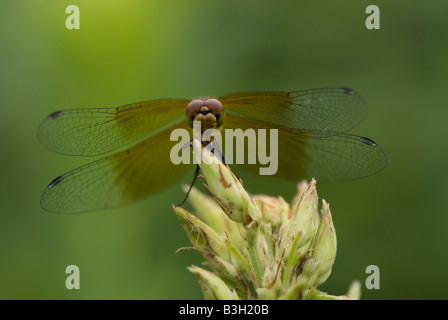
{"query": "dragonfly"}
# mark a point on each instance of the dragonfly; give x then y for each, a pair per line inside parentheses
(312, 129)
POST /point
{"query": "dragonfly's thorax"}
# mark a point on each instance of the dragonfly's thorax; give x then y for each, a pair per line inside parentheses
(209, 112)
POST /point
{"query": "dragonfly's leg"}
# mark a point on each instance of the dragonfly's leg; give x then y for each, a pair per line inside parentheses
(219, 154)
(216, 151)
(196, 174)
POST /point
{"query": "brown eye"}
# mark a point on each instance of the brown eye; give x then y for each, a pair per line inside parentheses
(214, 106)
(194, 107)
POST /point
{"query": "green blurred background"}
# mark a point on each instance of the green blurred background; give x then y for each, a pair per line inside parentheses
(128, 51)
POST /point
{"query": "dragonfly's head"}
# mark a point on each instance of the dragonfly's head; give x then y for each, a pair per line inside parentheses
(209, 112)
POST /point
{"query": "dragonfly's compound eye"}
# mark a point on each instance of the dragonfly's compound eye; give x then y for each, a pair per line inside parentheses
(209, 112)
(215, 106)
(193, 108)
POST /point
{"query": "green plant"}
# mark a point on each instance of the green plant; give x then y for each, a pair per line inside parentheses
(259, 247)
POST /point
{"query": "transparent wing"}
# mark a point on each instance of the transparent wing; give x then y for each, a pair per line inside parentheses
(116, 180)
(90, 132)
(330, 110)
(307, 154)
